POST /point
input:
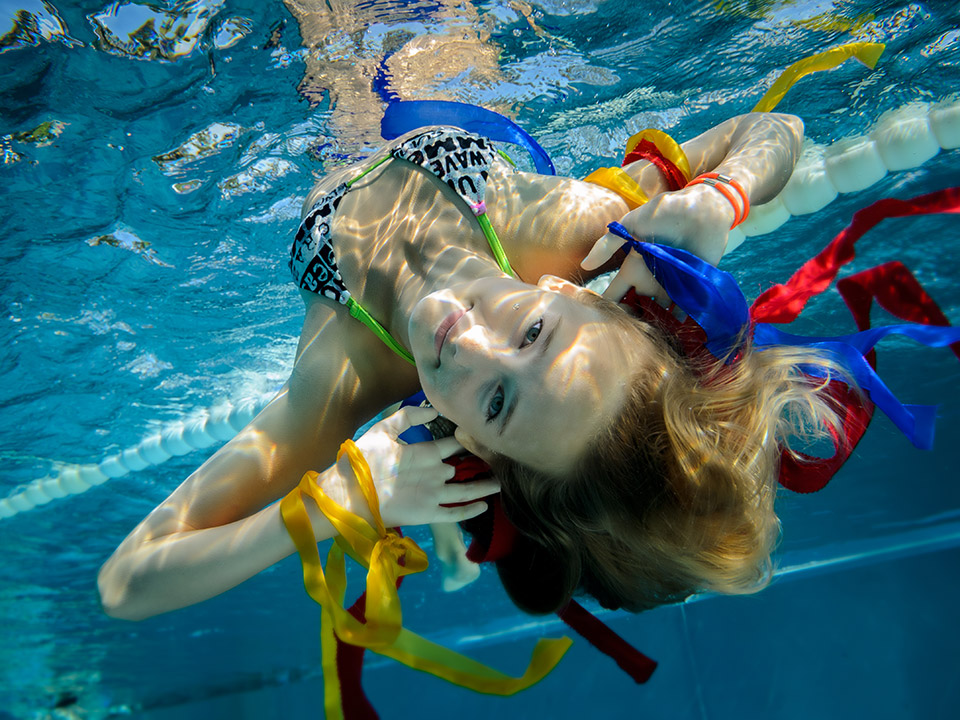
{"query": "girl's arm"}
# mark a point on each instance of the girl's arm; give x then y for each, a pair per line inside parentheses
(758, 150)
(214, 531)
(215, 515)
(148, 575)
(165, 564)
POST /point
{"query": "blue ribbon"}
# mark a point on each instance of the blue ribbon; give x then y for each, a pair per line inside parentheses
(402, 117)
(714, 300)
(415, 433)
(709, 295)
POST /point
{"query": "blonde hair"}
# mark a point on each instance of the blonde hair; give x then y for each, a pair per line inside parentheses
(676, 495)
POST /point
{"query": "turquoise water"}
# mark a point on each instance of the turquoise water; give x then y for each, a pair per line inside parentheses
(144, 279)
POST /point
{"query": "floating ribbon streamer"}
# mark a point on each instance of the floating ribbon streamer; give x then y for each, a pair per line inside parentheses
(388, 557)
(667, 154)
(916, 422)
(866, 52)
(714, 300)
(402, 117)
(782, 303)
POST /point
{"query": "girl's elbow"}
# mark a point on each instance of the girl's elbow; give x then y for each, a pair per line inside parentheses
(115, 596)
(794, 122)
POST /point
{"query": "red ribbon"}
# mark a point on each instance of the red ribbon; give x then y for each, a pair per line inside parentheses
(633, 662)
(647, 150)
(894, 288)
(783, 303)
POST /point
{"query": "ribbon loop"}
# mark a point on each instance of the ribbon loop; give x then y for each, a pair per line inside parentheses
(388, 557)
(664, 152)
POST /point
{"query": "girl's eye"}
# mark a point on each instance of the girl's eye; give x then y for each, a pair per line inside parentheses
(533, 333)
(496, 405)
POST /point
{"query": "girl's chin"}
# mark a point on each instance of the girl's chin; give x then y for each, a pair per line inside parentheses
(424, 321)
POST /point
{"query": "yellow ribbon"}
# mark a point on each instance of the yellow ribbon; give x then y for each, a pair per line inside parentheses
(387, 556)
(620, 182)
(614, 178)
(668, 147)
(866, 52)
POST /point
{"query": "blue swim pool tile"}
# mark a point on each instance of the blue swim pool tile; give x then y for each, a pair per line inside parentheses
(873, 641)
(585, 684)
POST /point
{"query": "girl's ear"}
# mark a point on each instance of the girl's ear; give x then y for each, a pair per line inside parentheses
(474, 446)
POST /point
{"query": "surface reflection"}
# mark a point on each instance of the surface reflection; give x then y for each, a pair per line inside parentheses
(32, 21)
(145, 32)
(363, 54)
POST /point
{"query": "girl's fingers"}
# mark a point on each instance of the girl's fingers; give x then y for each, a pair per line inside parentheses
(407, 417)
(469, 491)
(447, 446)
(461, 512)
(649, 287)
(602, 250)
(635, 274)
(618, 287)
(429, 455)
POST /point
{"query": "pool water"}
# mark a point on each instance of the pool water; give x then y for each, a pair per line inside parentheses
(155, 159)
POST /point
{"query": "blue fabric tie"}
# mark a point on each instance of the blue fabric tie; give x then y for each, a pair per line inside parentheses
(415, 433)
(709, 295)
(402, 117)
(714, 300)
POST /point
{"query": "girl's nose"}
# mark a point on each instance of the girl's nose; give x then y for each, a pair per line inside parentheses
(477, 343)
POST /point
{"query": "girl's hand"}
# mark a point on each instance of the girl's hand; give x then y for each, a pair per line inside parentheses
(696, 219)
(411, 480)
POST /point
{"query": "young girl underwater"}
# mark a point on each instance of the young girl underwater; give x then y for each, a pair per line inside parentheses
(637, 456)
(541, 377)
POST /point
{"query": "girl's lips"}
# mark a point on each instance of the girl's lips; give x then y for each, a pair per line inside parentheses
(448, 322)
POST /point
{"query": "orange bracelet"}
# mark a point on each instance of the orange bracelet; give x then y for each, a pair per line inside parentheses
(716, 180)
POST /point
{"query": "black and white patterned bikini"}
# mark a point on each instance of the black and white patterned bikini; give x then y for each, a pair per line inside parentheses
(460, 159)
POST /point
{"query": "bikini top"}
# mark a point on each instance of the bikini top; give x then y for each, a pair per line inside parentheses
(462, 160)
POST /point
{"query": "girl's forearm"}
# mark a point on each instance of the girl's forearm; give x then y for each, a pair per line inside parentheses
(761, 155)
(146, 577)
(758, 149)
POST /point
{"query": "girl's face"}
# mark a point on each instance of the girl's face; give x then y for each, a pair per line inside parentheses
(525, 371)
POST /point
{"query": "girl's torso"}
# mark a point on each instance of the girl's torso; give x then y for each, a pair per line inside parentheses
(399, 233)
(400, 230)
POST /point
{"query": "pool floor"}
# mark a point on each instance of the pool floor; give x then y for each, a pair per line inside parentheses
(775, 655)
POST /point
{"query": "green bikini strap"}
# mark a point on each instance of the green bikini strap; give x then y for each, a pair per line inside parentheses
(495, 247)
(479, 210)
(369, 170)
(360, 313)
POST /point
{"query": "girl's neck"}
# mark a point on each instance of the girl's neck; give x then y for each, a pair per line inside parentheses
(403, 237)
(454, 266)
